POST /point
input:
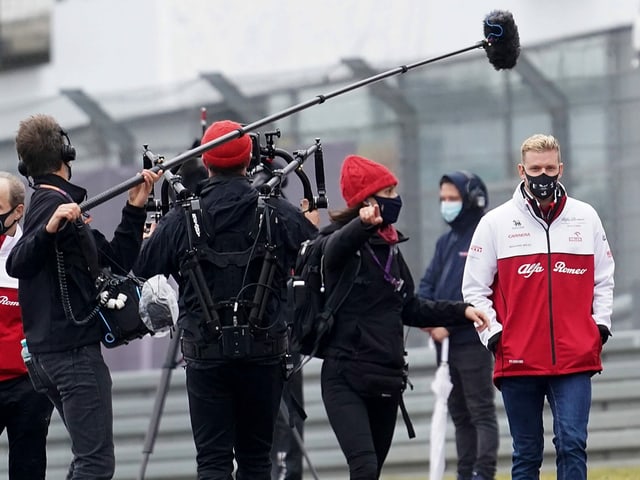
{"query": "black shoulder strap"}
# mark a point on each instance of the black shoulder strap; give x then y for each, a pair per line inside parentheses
(405, 416)
(192, 269)
(338, 294)
(340, 291)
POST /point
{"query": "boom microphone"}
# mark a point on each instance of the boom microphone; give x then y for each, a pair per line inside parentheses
(502, 42)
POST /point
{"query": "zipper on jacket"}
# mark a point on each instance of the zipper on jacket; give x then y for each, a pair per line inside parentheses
(553, 343)
(546, 228)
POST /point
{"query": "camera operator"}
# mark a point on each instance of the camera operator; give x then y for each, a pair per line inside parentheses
(234, 372)
(63, 339)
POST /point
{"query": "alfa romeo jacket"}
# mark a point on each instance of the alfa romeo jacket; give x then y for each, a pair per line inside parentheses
(11, 363)
(545, 286)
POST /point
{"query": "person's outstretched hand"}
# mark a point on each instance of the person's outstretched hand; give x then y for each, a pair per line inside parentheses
(478, 317)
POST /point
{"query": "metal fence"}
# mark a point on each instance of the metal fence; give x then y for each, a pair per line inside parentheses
(450, 115)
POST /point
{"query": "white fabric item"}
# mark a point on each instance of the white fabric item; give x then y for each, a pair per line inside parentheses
(158, 305)
(441, 387)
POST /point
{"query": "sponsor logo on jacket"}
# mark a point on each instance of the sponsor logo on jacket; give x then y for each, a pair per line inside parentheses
(519, 235)
(4, 300)
(573, 221)
(561, 267)
(576, 237)
(528, 269)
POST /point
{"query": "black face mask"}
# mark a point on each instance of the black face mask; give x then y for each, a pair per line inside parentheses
(389, 208)
(3, 218)
(542, 186)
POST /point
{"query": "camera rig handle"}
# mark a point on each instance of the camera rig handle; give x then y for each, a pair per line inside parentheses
(294, 164)
(153, 205)
(321, 200)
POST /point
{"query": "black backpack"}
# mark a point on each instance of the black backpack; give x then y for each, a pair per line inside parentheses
(313, 306)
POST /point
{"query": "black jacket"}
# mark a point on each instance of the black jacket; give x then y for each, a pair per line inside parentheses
(33, 262)
(229, 205)
(369, 325)
(442, 279)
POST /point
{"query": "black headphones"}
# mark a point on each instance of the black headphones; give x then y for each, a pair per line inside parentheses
(68, 151)
(67, 154)
(476, 196)
(22, 168)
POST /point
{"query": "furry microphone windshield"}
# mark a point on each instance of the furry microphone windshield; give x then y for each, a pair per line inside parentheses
(502, 42)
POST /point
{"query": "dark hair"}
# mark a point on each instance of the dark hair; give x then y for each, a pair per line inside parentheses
(227, 171)
(345, 215)
(39, 143)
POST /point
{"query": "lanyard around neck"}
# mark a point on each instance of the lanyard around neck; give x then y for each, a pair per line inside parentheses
(386, 270)
(86, 216)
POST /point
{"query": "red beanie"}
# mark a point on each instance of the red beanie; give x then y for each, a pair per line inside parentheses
(234, 153)
(360, 178)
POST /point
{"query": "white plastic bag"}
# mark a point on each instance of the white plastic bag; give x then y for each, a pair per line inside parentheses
(158, 305)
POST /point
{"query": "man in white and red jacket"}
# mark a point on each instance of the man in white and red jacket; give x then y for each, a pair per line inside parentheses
(24, 413)
(541, 267)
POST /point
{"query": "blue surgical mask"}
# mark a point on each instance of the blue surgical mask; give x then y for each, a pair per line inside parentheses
(389, 208)
(450, 210)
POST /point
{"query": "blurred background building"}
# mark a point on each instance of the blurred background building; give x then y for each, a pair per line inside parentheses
(120, 74)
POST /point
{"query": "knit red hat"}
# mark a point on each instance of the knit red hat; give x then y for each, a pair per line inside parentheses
(360, 178)
(235, 153)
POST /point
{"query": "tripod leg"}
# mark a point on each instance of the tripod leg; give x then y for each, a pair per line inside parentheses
(170, 363)
(284, 412)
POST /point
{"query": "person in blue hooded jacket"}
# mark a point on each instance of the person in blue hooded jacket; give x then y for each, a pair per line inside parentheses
(463, 200)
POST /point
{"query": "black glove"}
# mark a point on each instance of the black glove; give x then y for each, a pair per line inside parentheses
(492, 343)
(605, 333)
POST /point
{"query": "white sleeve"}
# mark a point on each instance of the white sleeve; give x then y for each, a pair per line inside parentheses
(479, 274)
(604, 267)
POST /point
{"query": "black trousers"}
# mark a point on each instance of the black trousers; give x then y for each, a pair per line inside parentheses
(363, 425)
(233, 409)
(25, 415)
(286, 453)
(473, 410)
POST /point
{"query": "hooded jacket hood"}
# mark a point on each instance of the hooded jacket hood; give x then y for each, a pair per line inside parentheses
(471, 187)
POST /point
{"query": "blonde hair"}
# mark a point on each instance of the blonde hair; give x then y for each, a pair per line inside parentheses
(540, 143)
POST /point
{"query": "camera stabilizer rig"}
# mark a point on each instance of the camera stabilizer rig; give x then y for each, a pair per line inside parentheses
(235, 337)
